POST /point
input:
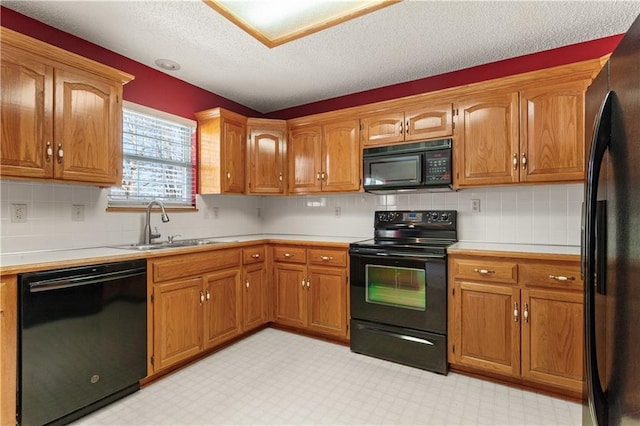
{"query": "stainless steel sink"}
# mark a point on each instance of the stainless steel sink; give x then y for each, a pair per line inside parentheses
(167, 245)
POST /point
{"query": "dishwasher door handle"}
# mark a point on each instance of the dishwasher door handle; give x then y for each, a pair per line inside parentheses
(57, 284)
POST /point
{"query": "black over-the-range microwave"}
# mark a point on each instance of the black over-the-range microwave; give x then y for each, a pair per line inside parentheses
(412, 166)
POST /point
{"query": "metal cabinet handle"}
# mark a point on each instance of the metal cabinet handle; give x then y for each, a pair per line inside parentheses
(484, 271)
(255, 256)
(326, 258)
(323, 176)
(308, 283)
(401, 127)
(208, 294)
(406, 128)
(515, 312)
(561, 278)
(49, 151)
(201, 297)
(515, 161)
(526, 312)
(280, 177)
(524, 160)
(318, 176)
(246, 283)
(228, 175)
(303, 283)
(288, 255)
(60, 153)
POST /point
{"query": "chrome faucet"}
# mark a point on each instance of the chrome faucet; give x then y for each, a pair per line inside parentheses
(148, 235)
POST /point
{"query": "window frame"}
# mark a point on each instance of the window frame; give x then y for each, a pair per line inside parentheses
(140, 204)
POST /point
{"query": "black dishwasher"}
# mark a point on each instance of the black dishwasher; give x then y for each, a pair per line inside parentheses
(83, 339)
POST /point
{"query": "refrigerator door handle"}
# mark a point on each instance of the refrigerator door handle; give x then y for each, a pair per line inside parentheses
(599, 145)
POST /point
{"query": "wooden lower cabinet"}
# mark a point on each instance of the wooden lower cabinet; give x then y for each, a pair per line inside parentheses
(254, 287)
(8, 348)
(520, 318)
(222, 306)
(311, 289)
(178, 321)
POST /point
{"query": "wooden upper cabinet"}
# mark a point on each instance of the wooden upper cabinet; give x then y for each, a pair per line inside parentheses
(486, 141)
(61, 114)
(325, 157)
(221, 146)
(27, 114)
(414, 123)
(305, 159)
(552, 144)
(341, 156)
(266, 156)
(88, 128)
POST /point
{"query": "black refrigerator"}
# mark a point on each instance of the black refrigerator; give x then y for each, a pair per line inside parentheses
(611, 240)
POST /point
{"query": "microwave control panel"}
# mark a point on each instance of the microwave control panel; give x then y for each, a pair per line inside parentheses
(438, 166)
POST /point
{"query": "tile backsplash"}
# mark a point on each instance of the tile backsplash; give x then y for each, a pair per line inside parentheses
(541, 214)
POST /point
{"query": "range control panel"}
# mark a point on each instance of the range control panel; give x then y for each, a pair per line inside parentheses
(415, 217)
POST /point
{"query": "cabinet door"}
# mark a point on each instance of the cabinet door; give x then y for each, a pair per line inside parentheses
(290, 285)
(223, 306)
(26, 113)
(88, 128)
(254, 286)
(383, 128)
(429, 122)
(553, 338)
(486, 330)
(552, 133)
(177, 313)
(232, 158)
(266, 161)
(305, 159)
(8, 348)
(341, 156)
(487, 140)
(327, 306)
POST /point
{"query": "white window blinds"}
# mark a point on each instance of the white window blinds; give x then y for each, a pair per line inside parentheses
(158, 159)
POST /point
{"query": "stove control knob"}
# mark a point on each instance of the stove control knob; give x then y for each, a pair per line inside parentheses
(382, 217)
(434, 216)
(444, 216)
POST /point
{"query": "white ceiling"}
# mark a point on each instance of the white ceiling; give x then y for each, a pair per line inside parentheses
(407, 41)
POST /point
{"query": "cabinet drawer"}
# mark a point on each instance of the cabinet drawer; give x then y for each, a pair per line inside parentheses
(328, 257)
(289, 254)
(253, 255)
(485, 269)
(556, 275)
(194, 264)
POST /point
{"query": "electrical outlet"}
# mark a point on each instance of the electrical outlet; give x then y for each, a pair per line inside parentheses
(18, 213)
(475, 205)
(77, 213)
(338, 211)
(216, 212)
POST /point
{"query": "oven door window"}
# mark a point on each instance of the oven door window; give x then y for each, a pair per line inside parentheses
(396, 286)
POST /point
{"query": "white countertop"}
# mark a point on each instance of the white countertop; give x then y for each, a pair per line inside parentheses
(520, 248)
(49, 258)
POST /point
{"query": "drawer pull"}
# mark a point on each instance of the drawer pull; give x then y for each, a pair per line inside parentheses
(484, 271)
(515, 312)
(326, 258)
(255, 256)
(561, 278)
(288, 255)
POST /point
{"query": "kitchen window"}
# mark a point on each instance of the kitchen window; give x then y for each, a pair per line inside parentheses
(158, 159)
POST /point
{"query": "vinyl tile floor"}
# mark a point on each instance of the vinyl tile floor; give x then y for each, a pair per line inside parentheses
(279, 378)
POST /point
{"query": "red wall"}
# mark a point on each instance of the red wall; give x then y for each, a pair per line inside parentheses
(535, 61)
(150, 87)
(163, 92)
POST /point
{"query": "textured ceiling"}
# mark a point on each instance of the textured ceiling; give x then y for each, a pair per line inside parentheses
(407, 41)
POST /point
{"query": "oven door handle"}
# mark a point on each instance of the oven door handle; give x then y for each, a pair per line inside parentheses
(409, 255)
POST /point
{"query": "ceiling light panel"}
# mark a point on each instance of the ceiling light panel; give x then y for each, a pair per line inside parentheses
(275, 22)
